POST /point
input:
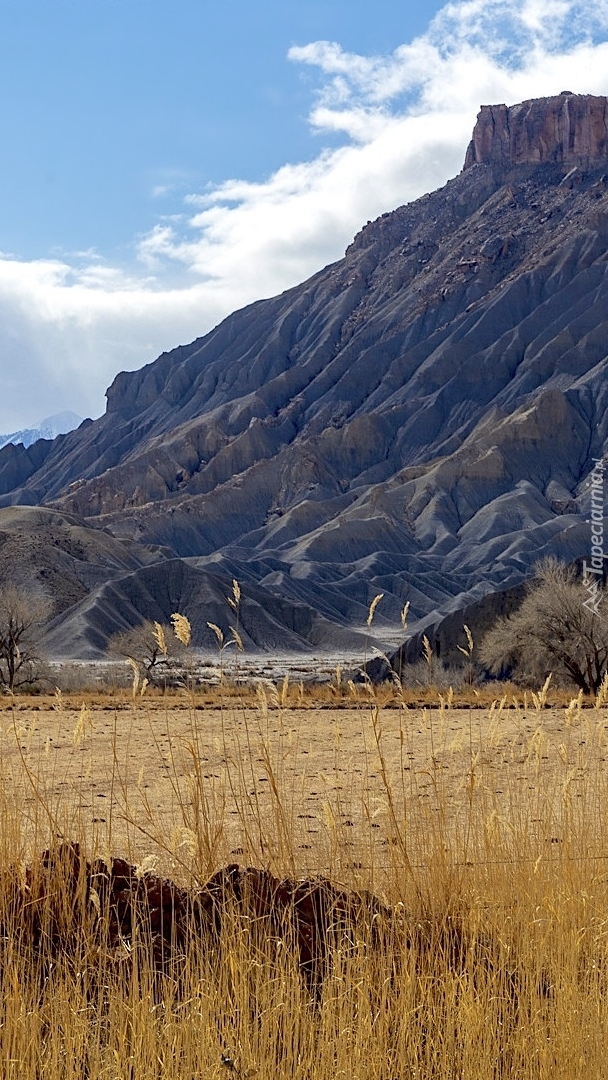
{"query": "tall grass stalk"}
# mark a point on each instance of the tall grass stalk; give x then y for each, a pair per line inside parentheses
(488, 847)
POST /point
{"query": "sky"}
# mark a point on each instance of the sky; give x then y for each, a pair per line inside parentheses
(165, 162)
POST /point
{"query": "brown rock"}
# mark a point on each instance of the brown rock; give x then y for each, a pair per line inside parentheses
(109, 922)
(571, 129)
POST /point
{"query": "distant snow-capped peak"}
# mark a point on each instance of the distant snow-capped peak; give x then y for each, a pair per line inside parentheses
(49, 428)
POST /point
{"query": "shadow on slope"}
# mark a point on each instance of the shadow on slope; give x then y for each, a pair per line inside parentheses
(158, 591)
(64, 555)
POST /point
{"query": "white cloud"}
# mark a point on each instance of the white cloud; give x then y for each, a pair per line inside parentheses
(64, 335)
(66, 327)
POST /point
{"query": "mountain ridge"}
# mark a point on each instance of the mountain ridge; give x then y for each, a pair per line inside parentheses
(418, 418)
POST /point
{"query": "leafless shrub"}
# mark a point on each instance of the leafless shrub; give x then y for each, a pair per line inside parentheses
(23, 611)
(551, 632)
(152, 647)
(72, 676)
(420, 675)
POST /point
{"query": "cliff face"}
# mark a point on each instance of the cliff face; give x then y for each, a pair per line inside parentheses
(571, 129)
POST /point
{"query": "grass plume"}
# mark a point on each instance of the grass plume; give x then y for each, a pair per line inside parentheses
(481, 832)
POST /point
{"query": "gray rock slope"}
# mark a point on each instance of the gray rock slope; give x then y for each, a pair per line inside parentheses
(100, 584)
(417, 419)
(62, 554)
(175, 585)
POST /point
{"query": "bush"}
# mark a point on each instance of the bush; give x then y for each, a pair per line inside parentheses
(23, 611)
(154, 649)
(551, 632)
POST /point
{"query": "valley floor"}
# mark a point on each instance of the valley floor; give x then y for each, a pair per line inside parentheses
(303, 789)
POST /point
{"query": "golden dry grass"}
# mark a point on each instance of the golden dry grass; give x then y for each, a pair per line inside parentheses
(495, 817)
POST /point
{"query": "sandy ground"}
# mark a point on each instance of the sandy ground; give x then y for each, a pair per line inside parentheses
(309, 788)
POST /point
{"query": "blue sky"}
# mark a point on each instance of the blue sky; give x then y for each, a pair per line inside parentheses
(113, 110)
(166, 162)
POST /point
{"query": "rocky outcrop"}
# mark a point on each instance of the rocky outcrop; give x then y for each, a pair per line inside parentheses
(113, 919)
(448, 637)
(571, 129)
(48, 907)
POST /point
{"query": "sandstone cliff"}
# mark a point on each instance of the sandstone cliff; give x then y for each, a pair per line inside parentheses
(571, 129)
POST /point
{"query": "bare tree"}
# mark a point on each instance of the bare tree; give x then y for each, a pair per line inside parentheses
(152, 646)
(553, 630)
(23, 612)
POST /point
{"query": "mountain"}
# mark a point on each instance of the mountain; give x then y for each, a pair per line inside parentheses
(418, 419)
(49, 428)
(100, 584)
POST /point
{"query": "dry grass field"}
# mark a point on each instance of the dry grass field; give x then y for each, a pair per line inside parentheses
(483, 832)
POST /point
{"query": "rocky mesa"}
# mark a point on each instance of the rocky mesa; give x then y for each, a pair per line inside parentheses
(570, 129)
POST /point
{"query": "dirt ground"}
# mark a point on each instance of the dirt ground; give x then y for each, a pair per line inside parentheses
(303, 786)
